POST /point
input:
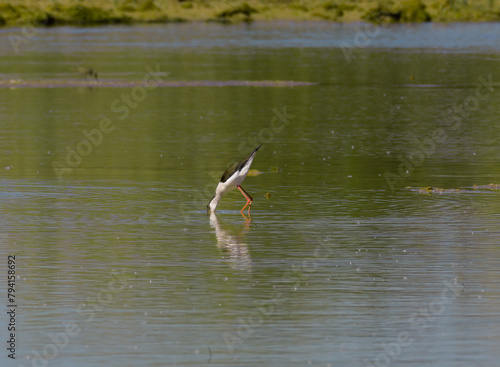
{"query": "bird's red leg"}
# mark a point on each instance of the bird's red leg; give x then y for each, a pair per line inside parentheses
(246, 219)
(247, 196)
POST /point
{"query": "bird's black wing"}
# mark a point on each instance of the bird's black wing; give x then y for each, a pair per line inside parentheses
(238, 166)
(229, 172)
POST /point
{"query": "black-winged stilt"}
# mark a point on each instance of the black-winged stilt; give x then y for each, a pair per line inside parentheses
(233, 177)
(87, 72)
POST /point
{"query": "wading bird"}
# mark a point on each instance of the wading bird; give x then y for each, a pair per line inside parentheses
(233, 177)
(87, 73)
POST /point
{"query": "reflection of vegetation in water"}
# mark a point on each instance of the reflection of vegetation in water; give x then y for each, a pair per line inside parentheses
(94, 12)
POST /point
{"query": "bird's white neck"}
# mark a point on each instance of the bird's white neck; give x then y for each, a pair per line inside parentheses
(214, 202)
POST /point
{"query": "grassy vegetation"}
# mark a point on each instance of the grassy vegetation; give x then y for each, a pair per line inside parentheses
(96, 12)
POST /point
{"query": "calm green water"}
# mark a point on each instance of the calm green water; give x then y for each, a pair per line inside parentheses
(340, 264)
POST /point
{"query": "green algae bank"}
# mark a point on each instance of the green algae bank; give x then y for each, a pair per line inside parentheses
(95, 12)
(374, 232)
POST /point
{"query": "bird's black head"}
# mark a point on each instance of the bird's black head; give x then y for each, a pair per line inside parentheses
(208, 206)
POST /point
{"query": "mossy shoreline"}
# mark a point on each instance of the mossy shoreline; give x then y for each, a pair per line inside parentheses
(99, 12)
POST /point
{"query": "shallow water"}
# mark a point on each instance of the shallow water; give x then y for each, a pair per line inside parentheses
(340, 264)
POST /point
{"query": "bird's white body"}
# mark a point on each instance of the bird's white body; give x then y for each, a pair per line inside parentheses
(234, 180)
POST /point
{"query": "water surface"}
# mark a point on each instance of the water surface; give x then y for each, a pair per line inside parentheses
(340, 264)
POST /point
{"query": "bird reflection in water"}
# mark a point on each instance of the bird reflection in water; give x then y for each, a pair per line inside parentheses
(238, 254)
